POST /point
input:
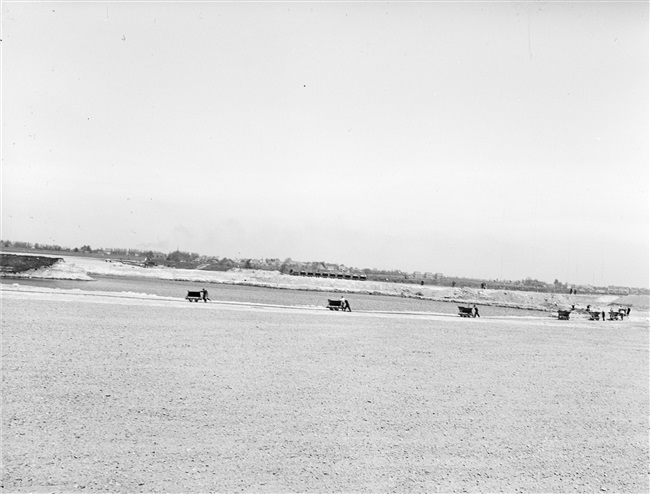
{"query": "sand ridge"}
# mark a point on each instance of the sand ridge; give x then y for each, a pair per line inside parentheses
(84, 268)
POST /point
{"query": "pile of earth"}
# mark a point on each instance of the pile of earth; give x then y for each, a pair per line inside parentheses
(19, 263)
(39, 267)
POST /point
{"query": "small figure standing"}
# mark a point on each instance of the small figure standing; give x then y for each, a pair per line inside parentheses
(345, 304)
(476, 314)
(204, 295)
(603, 314)
(629, 309)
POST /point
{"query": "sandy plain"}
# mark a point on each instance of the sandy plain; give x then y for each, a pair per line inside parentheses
(109, 394)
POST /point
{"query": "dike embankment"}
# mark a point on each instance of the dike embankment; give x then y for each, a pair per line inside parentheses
(21, 263)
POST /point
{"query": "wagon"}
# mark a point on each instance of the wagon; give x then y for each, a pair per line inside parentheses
(593, 315)
(563, 314)
(615, 315)
(194, 296)
(337, 305)
(466, 311)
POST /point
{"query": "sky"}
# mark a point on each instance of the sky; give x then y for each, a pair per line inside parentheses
(498, 140)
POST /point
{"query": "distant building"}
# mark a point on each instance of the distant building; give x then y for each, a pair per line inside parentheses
(618, 290)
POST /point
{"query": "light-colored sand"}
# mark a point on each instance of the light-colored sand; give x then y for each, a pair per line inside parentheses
(148, 395)
(84, 268)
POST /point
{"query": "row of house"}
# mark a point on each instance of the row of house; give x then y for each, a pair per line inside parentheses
(417, 275)
(339, 276)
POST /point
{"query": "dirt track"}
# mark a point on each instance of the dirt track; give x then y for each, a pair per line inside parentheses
(177, 397)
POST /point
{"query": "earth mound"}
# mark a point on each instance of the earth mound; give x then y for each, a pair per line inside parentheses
(39, 267)
(19, 263)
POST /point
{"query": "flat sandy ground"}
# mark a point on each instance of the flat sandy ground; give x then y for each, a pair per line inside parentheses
(104, 394)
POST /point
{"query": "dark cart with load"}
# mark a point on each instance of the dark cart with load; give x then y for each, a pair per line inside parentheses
(594, 316)
(563, 315)
(466, 311)
(338, 305)
(196, 296)
(615, 315)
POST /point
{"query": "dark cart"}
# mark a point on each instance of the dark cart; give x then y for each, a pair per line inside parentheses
(466, 311)
(615, 315)
(337, 305)
(594, 316)
(194, 296)
(563, 315)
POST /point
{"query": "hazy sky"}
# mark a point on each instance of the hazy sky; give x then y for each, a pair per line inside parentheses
(496, 140)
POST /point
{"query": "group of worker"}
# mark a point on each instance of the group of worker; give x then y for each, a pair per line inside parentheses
(620, 312)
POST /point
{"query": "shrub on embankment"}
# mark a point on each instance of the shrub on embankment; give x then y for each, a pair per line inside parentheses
(16, 263)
